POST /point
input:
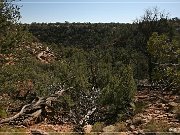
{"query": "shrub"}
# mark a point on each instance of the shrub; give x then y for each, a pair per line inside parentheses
(120, 89)
(121, 127)
(98, 127)
(165, 53)
(156, 126)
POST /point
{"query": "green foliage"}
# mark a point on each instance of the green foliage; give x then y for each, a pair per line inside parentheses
(3, 113)
(153, 20)
(131, 37)
(162, 49)
(165, 54)
(98, 127)
(140, 107)
(10, 30)
(120, 89)
(97, 63)
(85, 35)
(91, 76)
(9, 11)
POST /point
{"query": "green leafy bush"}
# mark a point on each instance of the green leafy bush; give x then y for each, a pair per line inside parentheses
(120, 89)
(165, 54)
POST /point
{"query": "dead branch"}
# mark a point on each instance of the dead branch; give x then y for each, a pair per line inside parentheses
(15, 116)
(34, 115)
(35, 109)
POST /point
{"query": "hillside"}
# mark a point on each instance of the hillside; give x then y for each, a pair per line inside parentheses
(83, 77)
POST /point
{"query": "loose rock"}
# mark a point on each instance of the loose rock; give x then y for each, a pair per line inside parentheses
(110, 128)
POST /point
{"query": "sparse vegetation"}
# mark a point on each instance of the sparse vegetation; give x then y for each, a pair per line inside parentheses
(156, 126)
(7, 130)
(121, 127)
(3, 113)
(139, 107)
(98, 127)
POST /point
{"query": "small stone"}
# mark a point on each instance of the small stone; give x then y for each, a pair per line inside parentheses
(138, 121)
(135, 132)
(110, 128)
(175, 130)
(174, 120)
(128, 121)
(163, 105)
(88, 128)
(149, 117)
(157, 111)
(132, 127)
(170, 115)
(160, 105)
(178, 130)
(173, 104)
(140, 131)
(160, 116)
(122, 133)
(129, 133)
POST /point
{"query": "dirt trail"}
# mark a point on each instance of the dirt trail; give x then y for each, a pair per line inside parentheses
(160, 111)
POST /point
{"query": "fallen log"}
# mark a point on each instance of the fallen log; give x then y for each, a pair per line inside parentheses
(34, 115)
(33, 110)
(55, 109)
(15, 116)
